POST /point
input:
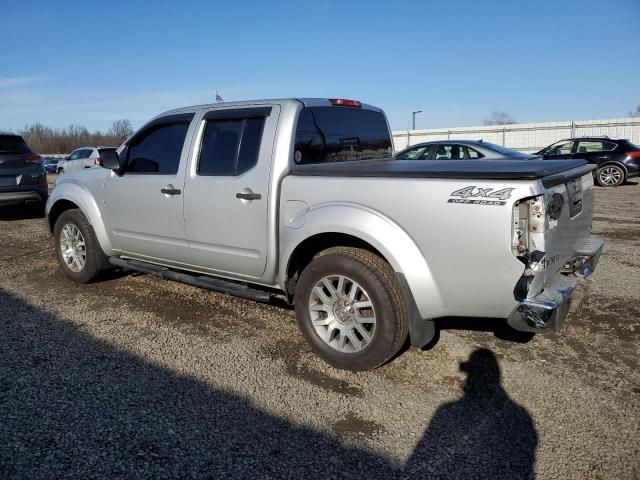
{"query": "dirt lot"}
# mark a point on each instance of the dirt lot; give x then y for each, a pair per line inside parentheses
(137, 377)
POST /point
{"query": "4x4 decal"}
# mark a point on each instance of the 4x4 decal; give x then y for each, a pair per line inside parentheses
(480, 196)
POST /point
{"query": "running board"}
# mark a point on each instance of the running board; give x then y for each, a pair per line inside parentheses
(202, 281)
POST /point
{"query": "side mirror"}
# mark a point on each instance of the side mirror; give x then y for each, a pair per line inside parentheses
(109, 159)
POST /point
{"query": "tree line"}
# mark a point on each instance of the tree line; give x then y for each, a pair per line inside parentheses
(43, 139)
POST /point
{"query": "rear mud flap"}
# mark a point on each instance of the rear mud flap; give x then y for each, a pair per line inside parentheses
(421, 331)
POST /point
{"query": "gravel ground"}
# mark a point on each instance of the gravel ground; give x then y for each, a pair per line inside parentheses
(137, 377)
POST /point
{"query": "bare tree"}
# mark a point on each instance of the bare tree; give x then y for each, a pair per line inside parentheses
(636, 112)
(121, 129)
(45, 139)
(499, 118)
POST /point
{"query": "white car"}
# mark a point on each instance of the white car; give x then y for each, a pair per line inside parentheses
(81, 158)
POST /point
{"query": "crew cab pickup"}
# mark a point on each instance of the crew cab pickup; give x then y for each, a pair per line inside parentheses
(302, 198)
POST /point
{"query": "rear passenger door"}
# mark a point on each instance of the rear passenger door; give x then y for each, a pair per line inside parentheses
(227, 190)
(144, 204)
(595, 151)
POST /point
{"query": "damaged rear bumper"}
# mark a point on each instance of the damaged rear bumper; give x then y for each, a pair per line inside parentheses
(548, 311)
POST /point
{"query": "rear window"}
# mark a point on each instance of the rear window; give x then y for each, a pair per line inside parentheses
(13, 144)
(340, 134)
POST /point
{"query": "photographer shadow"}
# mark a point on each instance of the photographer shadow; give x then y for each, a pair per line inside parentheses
(484, 434)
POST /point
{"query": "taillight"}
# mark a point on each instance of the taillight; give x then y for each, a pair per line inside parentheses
(343, 102)
(33, 158)
(96, 161)
(633, 154)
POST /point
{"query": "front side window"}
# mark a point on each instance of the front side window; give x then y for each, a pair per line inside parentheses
(230, 147)
(595, 146)
(157, 150)
(418, 153)
(340, 134)
(449, 152)
(562, 148)
(75, 155)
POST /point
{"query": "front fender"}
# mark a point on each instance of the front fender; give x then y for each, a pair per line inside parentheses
(368, 225)
(77, 193)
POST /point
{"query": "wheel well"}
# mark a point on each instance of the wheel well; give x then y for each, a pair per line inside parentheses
(58, 209)
(309, 248)
(617, 164)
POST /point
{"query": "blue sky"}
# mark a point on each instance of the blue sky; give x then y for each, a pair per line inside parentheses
(90, 63)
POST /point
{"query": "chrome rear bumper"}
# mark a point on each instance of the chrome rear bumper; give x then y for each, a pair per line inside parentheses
(548, 311)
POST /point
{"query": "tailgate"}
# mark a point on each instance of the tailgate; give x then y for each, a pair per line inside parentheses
(559, 224)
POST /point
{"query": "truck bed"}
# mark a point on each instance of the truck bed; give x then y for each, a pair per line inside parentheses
(458, 169)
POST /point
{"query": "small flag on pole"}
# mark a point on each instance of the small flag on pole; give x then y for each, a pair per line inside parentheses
(219, 98)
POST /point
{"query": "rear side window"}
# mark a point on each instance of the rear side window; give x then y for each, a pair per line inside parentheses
(595, 146)
(13, 144)
(157, 150)
(230, 147)
(340, 134)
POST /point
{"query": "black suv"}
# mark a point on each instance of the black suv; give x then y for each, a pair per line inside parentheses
(617, 160)
(22, 176)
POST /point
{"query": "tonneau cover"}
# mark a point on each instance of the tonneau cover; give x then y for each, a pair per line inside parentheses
(487, 169)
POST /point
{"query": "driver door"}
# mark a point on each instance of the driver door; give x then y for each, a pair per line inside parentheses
(144, 202)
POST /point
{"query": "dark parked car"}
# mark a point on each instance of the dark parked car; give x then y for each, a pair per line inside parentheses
(22, 177)
(617, 159)
(50, 164)
(460, 150)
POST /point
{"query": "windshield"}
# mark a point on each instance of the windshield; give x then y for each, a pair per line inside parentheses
(13, 144)
(341, 134)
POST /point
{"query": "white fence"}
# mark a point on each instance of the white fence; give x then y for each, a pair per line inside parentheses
(528, 137)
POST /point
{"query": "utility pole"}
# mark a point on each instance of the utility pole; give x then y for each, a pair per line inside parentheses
(414, 118)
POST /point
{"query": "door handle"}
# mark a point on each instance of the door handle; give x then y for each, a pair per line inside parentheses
(169, 190)
(248, 196)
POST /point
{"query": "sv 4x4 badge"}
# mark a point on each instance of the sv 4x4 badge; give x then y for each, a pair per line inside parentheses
(480, 196)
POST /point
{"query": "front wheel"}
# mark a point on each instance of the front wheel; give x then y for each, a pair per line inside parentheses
(350, 308)
(77, 249)
(610, 176)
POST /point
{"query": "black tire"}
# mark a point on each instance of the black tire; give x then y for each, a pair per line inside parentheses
(610, 175)
(376, 276)
(95, 261)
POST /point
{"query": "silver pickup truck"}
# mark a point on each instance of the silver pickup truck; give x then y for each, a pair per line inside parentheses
(302, 198)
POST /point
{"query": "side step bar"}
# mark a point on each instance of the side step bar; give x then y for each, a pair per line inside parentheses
(202, 281)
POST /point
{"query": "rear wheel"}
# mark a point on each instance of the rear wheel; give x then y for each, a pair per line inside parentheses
(350, 308)
(77, 249)
(610, 176)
